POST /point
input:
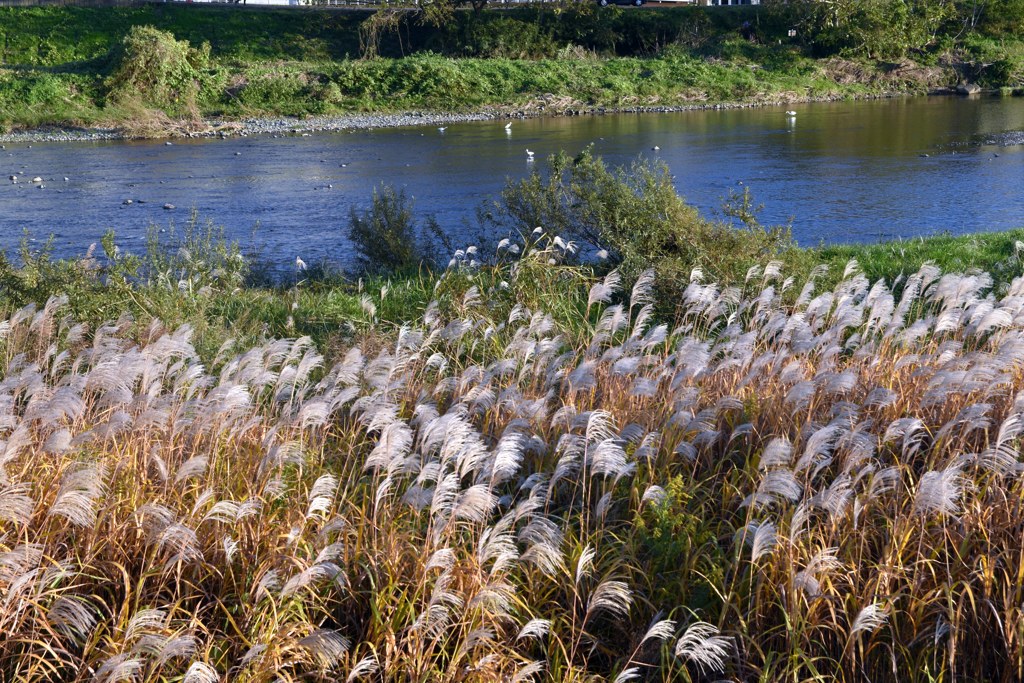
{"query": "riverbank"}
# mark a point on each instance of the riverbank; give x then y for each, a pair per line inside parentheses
(489, 90)
(72, 73)
(278, 126)
(201, 279)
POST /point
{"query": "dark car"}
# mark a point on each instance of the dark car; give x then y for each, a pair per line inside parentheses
(635, 3)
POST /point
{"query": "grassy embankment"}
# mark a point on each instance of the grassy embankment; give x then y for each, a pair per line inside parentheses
(192, 275)
(61, 65)
(196, 277)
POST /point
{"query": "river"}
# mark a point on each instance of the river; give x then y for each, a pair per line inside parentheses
(840, 172)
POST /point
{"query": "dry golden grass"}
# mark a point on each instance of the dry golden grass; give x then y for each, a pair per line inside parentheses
(786, 485)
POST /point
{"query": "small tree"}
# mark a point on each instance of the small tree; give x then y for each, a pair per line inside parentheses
(635, 214)
(385, 236)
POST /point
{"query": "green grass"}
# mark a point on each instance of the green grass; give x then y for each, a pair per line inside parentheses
(993, 252)
(55, 63)
(428, 81)
(59, 37)
(329, 308)
(436, 82)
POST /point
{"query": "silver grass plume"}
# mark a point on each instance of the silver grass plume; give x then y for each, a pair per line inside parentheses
(253, 654)
(118, 668)
(626, 675)
(777, 453)
(643, 289)
(534, 629)
(608, 459)
(194, 467)
(143, 621)
(321, 496)
(529, 672)
(474, 639)
(660, 630)
(655, 495)
(508, 457)
(200, 672)
(181, 542)
(869, 619)
(496, 546)
(703, 645)
(394, 443)
(76, 498)
(761, 538)
(776, 486)
(611, 596)
(16, 505)
(367, 666)
(938, 492)
(602, 292)
(171, 648)
(475, 504)
(73, 616)
(328, 647)
(585, 563)
(544, 555)
(823, 561)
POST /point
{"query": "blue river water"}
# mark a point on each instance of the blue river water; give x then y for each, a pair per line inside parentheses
(838, 172)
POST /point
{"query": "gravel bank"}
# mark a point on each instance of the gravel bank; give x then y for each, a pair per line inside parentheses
(266, 126)
(293, 126)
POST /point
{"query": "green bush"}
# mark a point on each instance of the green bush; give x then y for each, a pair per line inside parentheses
(272, 91)
(508, 37)
(386, 237)
(635, 214)
(1004, 73)
(152, 66)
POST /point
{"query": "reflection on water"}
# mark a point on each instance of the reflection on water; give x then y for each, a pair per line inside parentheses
(840, 171)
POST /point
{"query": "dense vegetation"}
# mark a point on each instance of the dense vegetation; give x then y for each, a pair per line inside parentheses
(698, 452)
(531, 477)
(64, 64)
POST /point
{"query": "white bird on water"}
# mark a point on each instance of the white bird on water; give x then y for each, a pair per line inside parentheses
(508, 126)
(529, 155)
(790, 113)
(442, 129)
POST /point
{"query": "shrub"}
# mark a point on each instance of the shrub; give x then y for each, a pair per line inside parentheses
(635, 214)
(154, 67)
(385, 236)
(1006, 72)
(507, 37)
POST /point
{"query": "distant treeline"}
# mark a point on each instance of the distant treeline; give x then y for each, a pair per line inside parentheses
(888, 29)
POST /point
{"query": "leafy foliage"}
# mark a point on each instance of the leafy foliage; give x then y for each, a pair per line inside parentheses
(635, 215)
(154, 67)
(386, 237)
